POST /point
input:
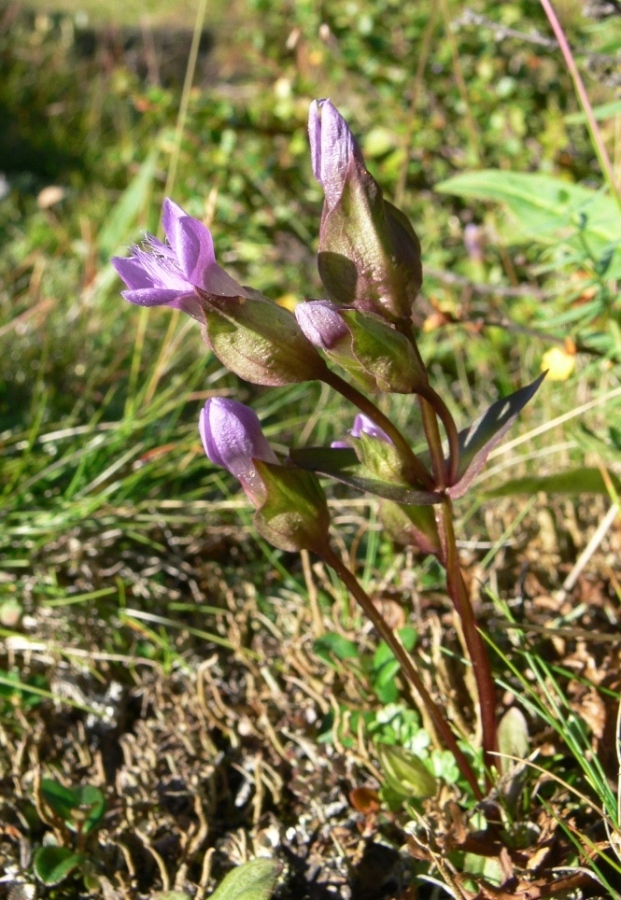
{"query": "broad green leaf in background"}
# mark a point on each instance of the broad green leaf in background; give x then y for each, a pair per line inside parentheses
(548, 210)
(254, 880)
(582, 480)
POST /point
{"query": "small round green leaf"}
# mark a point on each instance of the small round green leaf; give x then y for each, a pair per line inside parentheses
(53, 864)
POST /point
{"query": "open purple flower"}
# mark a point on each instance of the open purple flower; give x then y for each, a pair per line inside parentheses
(232, 438)
(172, 273)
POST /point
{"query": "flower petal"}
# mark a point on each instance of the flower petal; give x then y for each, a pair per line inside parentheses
(232, 438)
(190, 240)
(155, 296)
(332, 148)
(132, 272)
(321, 323)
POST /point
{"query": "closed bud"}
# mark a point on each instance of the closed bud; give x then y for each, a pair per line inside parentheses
(369, 254)
(370, 349)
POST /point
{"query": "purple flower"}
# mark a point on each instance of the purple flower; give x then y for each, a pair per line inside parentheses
(364, 425)
(321, 324)
(333, 146)
(173, 273)
(232, 438)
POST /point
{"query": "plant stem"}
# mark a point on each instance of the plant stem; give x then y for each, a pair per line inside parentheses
(440, 407)
(583, 98)
(434, 440)
(474, 642)
(409, 670)
(418, 471)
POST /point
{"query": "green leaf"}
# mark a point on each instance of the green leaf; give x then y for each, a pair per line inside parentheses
(547, 209)
(343, 466)
(477, 441)
(53, 864)
(513, 738)
(61, 800)
(254, 880)
(89, 808)
(80, 806)
(583, 480)
(601, 112)
(405, 774)
(334, 644)
(120, 222)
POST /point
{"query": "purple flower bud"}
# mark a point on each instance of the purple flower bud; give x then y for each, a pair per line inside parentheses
(232, 438)
(364, 425)
(333, 147)
(369, 255)
(171, 274)
(321, 323)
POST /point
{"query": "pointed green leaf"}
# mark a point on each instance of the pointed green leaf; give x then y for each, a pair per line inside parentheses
(89, 807)
(582, 480)
(61, 800)
(343, 466)
(477, 441)
(334, 644)
(254, 880)
(53, 864)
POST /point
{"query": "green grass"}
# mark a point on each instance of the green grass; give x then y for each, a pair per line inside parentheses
(127, 557)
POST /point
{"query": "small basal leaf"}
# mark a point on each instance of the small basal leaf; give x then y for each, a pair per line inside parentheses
(61, 800)
(513, 740)
(478, 441)
(53, 864)
(405, 774)
(334, 644)
(89, 808)
(254, 880)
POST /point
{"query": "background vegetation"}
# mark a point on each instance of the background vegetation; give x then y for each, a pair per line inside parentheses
(153, 647)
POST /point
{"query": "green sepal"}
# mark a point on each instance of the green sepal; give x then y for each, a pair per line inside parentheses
(411, 526)
(368, 258)
(344, 466)
(260, 341)
(295, 514)
(380, 458)
(384, 353)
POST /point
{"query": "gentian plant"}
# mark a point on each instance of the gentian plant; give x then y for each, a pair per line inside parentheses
(370, 266)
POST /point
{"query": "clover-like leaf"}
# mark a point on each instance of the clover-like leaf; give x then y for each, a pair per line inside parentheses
(478, 441)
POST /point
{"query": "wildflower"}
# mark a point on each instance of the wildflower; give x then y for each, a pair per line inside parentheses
(291, 509)
(233, 438)
(172, 273)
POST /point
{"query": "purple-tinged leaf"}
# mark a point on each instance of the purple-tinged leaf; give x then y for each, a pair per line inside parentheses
(343, 466)
(478, 441)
